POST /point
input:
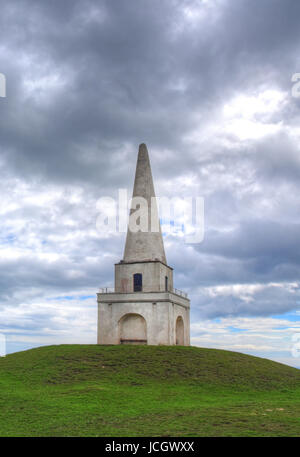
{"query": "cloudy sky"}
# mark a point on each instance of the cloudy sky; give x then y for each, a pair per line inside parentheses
(207, 85)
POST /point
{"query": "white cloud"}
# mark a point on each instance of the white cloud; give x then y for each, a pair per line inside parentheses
(264, 336)
(212, 100)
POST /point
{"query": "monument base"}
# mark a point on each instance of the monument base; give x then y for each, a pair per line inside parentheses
(153, 318)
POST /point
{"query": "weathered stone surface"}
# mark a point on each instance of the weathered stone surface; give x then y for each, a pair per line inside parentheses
(155, 314)
(159, 310)
(145, 245)
(153, 273)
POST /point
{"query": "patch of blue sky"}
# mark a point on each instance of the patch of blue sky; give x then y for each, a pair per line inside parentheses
(290, 316)
(172, 223)
(8, 239)
(72, 297)
(166, 221)
(236, 330)
(64, 297)
(16, 346)
(282, 327)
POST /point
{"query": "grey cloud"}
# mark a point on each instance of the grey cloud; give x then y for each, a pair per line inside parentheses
(88, 81)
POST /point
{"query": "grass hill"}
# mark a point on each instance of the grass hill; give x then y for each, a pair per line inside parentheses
(90, 390)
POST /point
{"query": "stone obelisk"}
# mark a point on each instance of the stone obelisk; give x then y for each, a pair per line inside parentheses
(143, 246)
(144, 307)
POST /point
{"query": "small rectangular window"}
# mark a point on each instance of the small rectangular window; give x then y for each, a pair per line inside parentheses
(137, 282)
(166, 283)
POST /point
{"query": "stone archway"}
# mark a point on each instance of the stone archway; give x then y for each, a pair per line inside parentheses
(179, 331)
(133, 329)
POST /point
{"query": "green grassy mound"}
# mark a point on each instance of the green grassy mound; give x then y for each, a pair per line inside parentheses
(90, 390)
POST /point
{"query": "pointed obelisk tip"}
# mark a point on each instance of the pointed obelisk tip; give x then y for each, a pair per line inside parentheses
(143, 151)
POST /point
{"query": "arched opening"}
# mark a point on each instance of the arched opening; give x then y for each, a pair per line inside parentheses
(137, 282)
(179, 331)
(133, 329)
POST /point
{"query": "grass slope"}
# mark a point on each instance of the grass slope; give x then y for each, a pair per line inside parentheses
(90, 390)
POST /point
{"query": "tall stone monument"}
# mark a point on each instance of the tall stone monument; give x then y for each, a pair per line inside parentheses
(144, 307)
